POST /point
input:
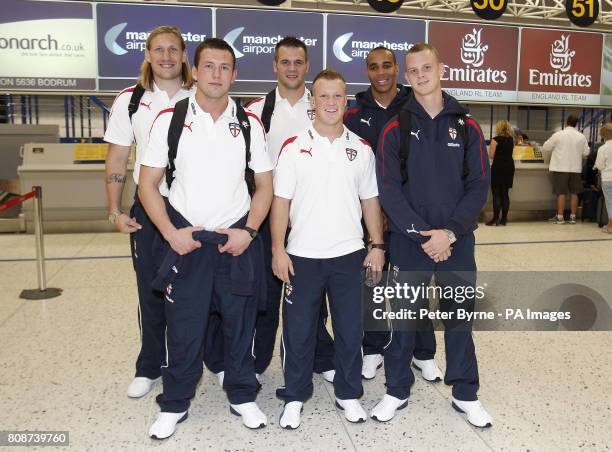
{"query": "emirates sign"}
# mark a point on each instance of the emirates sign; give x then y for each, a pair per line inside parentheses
(480, 60)
(560, 67)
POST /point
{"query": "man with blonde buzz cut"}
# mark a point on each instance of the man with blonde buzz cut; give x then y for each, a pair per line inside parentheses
(324, 183)
(284, 112)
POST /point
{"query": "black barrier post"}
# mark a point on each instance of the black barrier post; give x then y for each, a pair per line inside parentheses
(43, 292)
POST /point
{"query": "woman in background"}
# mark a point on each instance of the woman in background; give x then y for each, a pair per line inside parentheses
(502, 171)
(603, 163)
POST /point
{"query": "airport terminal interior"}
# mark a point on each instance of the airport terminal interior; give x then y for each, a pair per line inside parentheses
(68, 360)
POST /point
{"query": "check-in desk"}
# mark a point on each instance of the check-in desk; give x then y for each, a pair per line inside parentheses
(531, 196)
(73, 186)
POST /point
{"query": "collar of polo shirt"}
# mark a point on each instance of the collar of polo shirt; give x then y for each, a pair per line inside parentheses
(314, 135)
(304, 98)
(229, 112)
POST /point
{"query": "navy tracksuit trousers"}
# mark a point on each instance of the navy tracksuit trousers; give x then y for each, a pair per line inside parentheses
(147, 254)
(375, 342)
(267, 321)
(416, 268)
(203, 284)
(341, 279)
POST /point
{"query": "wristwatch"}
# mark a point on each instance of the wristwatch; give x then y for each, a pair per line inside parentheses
(451, 235)
(252, 232)
(112, 217)
(379, 246)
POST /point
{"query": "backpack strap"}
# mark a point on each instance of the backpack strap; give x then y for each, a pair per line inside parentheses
(135, 100)
(245, 127)
(268, 109)
(405, 128)
(174, 136)
(462, 131)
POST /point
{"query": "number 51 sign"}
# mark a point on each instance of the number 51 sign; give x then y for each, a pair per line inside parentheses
(581, 12)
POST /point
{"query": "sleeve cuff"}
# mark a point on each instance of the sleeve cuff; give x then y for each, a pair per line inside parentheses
(455, 228)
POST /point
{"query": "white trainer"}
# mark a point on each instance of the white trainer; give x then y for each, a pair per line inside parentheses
(353, 412)
(329, 375)
(165, 424)
(385, 410)
(141, 386)
(371, 363)
(252, 416)
(475, 412)
(429, 369)
(220, 376)
(290, 416)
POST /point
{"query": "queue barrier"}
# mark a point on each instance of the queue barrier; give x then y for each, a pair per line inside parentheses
(43, 292)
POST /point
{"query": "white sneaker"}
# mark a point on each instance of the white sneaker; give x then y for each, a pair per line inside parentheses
(252, 416)
(353, 412)
(475, 412)
(429, 369)
(165, 424)
(384, 411)
(557, 219)
(290, 416)
(220, 376)
(329, 375)
(371, 363)
(572, 219)
(141, 386)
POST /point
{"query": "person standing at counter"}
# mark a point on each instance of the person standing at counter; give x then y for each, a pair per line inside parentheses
(502, 171)
(568, 147)
(604, 164)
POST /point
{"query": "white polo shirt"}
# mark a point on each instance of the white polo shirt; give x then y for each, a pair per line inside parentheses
(325, 183)
(286, 121)
(123, 132)
(209, 189)
(568, 147)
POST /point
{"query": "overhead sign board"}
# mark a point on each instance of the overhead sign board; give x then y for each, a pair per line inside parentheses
(123, 30)
(480, 60)
(253, 34)
(47, 46)
(350, 39)
(558, 66)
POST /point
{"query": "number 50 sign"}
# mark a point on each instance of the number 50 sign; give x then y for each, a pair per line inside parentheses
(489, 9)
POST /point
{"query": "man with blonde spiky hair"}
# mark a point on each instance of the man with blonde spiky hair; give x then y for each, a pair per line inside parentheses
(324, 183)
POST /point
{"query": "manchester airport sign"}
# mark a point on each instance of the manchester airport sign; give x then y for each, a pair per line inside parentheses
(73, 46)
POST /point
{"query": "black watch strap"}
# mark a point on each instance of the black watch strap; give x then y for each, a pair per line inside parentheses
(252, 232)
(380, 246)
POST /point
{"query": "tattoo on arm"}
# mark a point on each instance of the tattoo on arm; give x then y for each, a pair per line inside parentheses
(116, 178)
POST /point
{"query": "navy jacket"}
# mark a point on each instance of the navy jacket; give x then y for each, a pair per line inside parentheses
(247, 272)
(368, 118)
(435, 196)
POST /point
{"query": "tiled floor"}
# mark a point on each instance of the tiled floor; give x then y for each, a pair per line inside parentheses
(66, 363)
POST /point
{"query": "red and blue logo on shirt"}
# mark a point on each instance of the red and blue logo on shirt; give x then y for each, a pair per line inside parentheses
(234, 129)
(351, 154)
